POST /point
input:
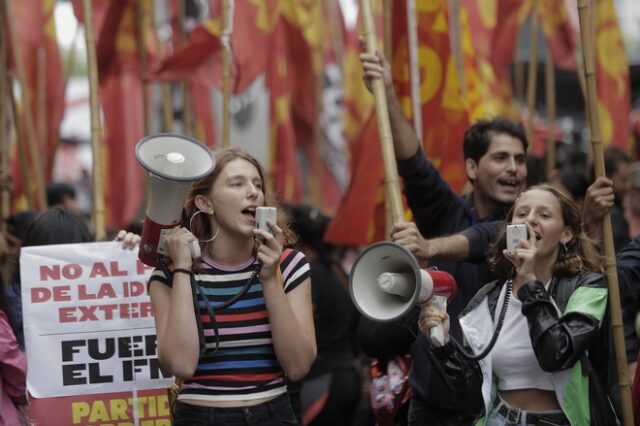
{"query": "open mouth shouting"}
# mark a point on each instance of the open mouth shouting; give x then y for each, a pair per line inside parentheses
(510, 186)
(250, 214)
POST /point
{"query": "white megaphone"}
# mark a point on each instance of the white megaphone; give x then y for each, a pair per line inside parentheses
(386, 282)
(173, 162)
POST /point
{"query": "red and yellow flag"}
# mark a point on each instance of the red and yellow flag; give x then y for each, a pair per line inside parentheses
(612, 77)
(444, 111)
(36, 34)
(487, 96)
(201, 58)
(558, 33)
(284, 167)
(360, 218)
(121, 99)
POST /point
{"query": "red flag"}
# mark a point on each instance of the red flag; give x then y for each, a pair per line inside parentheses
(200, 59)
(612, 77)
(36, 34)
(487, 96)
(285, 170)
(121, 98)
(444, 111)
(329, 158)
(558, 32)
(204, 127)
(361, 216)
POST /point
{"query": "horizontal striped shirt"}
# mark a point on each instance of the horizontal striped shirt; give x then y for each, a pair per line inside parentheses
(245, 366)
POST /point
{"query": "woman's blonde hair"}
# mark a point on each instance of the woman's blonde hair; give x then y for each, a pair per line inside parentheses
(577, 255)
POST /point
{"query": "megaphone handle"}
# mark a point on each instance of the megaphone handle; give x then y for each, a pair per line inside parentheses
(195, 250)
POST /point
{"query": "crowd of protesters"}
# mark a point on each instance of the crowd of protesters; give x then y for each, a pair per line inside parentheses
(527, 336)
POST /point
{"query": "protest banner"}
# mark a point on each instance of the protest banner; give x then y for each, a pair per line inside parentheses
(90, 337)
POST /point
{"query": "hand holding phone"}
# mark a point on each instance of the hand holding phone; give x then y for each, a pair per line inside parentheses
(516, 233)
(262, 215)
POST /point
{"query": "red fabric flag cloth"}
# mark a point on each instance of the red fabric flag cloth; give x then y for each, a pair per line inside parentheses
(201, 59)
(361, 216)
(285, 168)
(204, 126)
(36, 34)
(121, 99)
(612, 77)
(554, 19)
(444, 111)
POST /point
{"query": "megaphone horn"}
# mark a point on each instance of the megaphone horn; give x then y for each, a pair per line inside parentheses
(386, 282)
(173, 162)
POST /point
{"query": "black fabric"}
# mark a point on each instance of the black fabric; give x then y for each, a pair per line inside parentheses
(438, 211)
(628, 266)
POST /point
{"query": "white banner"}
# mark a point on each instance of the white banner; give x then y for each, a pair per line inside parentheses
(87, 320)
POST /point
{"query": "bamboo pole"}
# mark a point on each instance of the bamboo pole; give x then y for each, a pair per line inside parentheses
(96, 128)
(227, 19)
(42, 105)
(550, 97)
(391, 180)
(187, 119)
(70, 59)
(532, 75)
(38, 192)
(165, 88)
(5, 194)
(22, 155)
(456, 45)
(414, 68)
(585, 17)
(387, 27)
(142, 27)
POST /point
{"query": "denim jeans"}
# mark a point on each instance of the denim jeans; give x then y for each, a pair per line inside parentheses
(275, 412)
(503, 414)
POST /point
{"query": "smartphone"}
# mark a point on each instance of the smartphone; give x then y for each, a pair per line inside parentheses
(262, 215)
(516, 233)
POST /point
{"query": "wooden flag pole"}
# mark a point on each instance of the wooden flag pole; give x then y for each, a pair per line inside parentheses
(187, 118)
(5, 194)
(414, 68)
(227, 19)
(42, 105)
(96, 128)
(456, 45)
(142, 26)
(20, 142)
(70, 59)
(391, 179)
(39, 198)
(532, 77)
(165, 88)
(550, 96)
(584, 14)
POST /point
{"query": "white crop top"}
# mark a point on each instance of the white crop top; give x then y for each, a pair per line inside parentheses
(514, 363)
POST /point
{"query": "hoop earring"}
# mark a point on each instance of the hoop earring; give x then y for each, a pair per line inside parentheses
(191, 227)
(564, 246)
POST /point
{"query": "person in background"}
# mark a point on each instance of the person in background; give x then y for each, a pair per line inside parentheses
(63, 194)
(10, 246)
(495, 163)
(331, 392)
(13, 371)
(254, 321)
(552, 297)
(632, 212)
(617, 165)
(54, 226)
